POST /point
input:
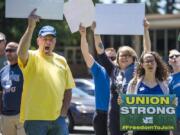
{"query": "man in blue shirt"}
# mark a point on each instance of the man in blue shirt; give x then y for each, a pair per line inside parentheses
(11, 87)
(102, 87)
(174, 83)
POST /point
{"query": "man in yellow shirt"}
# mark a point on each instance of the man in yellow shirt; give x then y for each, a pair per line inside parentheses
(47, 83)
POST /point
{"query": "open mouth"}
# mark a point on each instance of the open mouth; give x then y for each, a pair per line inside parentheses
(124, 61)
(150, 68)
(47, 48)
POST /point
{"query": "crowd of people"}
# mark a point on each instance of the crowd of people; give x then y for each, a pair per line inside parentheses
(129, 74)
(36, 84)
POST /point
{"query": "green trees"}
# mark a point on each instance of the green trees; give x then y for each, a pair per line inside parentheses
(159, 6)
(14, 28)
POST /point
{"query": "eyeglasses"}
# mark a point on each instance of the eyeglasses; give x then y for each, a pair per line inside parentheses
(125, 55)
(174, 56)
(149, 61)
(1, 41)
(10, 50)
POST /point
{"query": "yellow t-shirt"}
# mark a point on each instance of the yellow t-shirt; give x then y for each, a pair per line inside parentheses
(45, 80)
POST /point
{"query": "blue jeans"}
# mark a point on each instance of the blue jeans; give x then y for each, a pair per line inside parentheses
(42, 127)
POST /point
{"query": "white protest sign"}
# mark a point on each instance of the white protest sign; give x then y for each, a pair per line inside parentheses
(120, 19)
(79, 11)
(47, 9)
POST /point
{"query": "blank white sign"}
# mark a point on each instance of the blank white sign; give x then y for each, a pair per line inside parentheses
(120, 19)
(47, 9)
(79, 11)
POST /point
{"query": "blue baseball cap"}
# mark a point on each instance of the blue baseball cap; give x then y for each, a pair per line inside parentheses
(47, 30)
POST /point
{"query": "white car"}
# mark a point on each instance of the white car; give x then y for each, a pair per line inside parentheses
(86, 85)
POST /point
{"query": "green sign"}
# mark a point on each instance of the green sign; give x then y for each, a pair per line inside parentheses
(147, 112)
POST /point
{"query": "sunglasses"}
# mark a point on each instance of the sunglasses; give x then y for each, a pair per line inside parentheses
(174, 56)
(1, 41)
(10, 50)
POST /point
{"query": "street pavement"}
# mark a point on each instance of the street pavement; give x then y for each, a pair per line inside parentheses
(83, 130)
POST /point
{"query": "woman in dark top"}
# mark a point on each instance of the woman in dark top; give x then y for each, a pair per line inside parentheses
(120, 73)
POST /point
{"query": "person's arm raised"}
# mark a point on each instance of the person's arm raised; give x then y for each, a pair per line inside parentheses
(84, 47)
(25, 41)
(104, 60)
(97, 39)
(146, 37)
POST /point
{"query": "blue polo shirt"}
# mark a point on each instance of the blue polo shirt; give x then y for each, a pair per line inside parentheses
(11, 85)
(174, 87)
(102, 86)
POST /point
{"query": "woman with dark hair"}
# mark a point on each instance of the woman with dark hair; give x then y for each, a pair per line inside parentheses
(151, 78)
(151, 71)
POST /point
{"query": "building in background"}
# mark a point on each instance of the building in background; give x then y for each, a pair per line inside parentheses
(164, 31)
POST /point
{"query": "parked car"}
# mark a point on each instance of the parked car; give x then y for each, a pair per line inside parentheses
(86, 85)
(81, 109)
